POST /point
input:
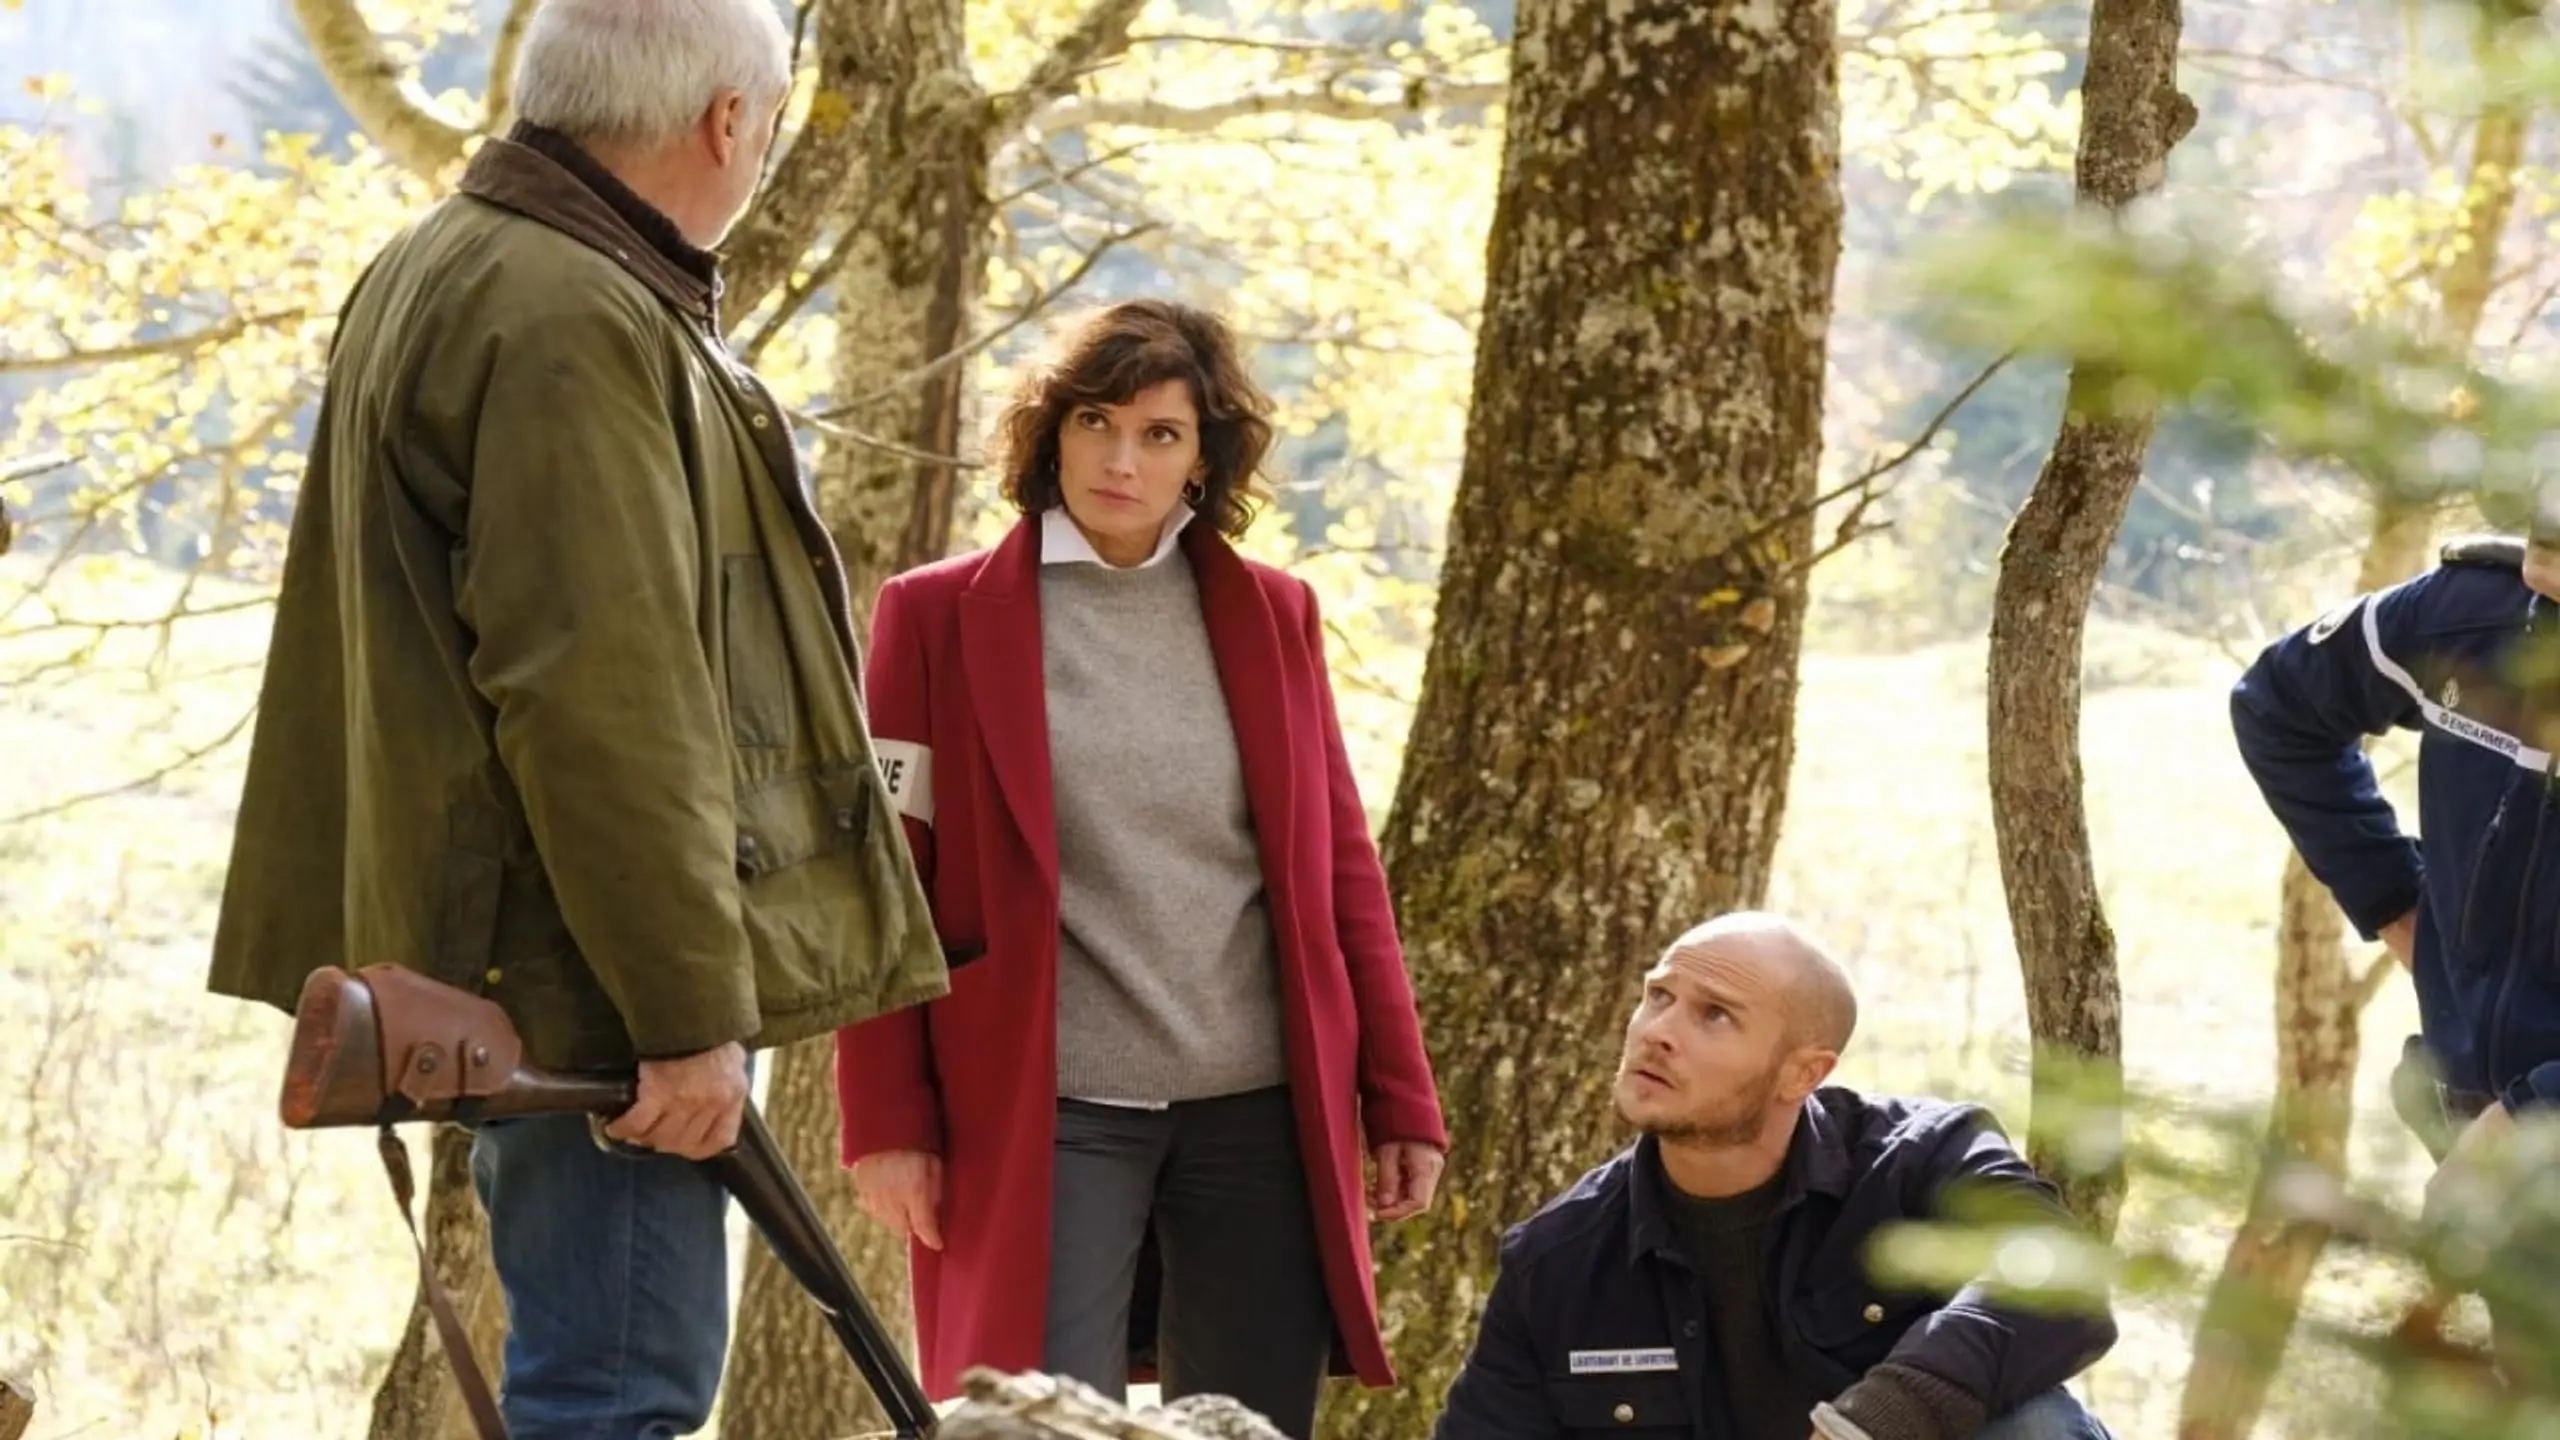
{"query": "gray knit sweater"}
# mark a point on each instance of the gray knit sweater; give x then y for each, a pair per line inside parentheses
(1167, 985)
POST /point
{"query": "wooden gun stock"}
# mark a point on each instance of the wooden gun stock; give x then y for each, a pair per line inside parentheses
(2421, 1334)
(383, 1045)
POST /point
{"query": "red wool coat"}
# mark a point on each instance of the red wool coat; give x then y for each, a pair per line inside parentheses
(955, 693)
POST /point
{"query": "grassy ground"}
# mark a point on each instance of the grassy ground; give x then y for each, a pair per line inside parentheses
(171, 1261)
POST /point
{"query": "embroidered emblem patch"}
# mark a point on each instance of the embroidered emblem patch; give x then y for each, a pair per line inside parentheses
(2329, 624)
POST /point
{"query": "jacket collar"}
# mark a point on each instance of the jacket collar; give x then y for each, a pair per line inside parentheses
(543, 176)
(1817, 1164)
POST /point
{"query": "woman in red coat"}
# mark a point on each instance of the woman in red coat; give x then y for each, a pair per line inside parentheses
(1188, 1045)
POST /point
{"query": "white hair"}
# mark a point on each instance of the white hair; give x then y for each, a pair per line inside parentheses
(640, 72)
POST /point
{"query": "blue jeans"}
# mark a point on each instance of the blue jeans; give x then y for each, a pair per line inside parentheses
(616, 1273)
(2053, 1415)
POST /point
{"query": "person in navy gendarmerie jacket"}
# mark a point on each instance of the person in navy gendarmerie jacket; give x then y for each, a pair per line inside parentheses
(2465, 655)
(1711, 1280)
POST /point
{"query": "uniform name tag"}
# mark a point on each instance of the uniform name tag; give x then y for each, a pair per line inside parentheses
(1620, 1362)
(907, 769)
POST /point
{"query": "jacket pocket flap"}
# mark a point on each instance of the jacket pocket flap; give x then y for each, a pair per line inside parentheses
(1639, 1401)
(792, 817)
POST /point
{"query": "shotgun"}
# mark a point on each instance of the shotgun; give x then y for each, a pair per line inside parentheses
(384, 1046)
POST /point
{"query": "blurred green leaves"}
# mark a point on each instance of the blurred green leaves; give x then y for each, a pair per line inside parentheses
(2492, 1231)
(2173, 301)
(2180, 317)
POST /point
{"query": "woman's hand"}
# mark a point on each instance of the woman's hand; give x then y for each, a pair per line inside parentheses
(1405, 1175)
(902, 1189)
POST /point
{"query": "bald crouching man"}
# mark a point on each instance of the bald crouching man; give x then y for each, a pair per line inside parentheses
(1710, 1280)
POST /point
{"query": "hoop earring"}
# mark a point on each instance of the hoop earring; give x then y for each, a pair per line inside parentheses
(1194, 492)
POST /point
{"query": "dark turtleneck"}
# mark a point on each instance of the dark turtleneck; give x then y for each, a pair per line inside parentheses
(1728, 1241)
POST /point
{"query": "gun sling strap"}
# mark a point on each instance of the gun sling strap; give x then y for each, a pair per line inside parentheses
(476, 1395)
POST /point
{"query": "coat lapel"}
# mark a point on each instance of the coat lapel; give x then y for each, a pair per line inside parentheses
(1247, 645)
(1000, 651)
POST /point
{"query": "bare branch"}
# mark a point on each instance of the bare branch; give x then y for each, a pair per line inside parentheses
(1326, 101)
(390, 106)
(33, 465)
(187, 344)
(99, 627)
(1863, 484)
(836, 431)
(1286, 46)
(2532, 312)
(1102, 35)
(802, 13)
(93, 509)
(1356, 671)
(499, 105)
(190, 756)
(796, 294)
(1051, 174)
(1023, 315)
(800, 16)
(2275, 71)
(1928, 432)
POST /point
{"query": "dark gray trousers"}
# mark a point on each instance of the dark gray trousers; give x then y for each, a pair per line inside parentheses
(1241, 1308)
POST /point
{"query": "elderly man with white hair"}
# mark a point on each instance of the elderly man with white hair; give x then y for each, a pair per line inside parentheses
(560, 704)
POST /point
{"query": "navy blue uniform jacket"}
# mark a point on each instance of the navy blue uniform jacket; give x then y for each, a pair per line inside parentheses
(2445, 654)
(1596, 1323)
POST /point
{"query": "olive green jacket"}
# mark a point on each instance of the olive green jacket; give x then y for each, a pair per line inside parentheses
(560, 704)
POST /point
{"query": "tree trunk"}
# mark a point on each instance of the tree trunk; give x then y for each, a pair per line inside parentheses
(2249, 1314)
(906, 295)
(417, 1399)
(17, 1410)
(1600, 753)
(2320, 998)
(819, 176)
(2131, 115)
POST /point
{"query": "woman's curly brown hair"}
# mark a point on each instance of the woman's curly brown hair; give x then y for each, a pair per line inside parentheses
(1110, 358)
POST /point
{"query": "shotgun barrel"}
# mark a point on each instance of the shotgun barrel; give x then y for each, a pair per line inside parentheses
(755, 1172)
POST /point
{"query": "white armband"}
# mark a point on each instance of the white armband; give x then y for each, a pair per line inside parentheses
(907, 769)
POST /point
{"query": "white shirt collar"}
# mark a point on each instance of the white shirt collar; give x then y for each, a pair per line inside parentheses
(1061, 543)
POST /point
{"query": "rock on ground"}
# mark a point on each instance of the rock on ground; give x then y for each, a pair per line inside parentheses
(998, 1406)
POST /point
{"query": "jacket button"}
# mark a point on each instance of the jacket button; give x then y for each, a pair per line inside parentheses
(746, 853)
(1689, 1329)
(1874, 1313)
(493, 975)
(845, 818)
(758, 421)
(1624, 1413)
